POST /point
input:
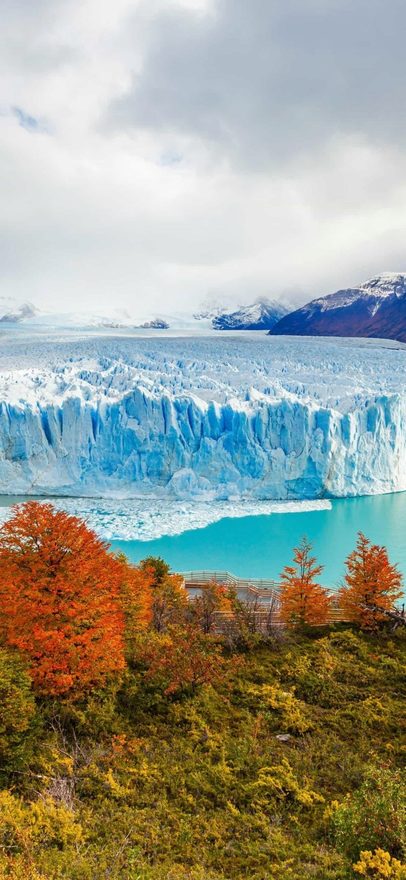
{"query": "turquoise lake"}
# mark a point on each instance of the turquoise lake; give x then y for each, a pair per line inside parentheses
(259, 546)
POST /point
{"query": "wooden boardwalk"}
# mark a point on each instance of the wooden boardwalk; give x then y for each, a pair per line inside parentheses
(265, 591)
(262, 598)
(262, 595)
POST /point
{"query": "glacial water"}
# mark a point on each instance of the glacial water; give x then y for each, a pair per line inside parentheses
(248, 546)
(259, 546)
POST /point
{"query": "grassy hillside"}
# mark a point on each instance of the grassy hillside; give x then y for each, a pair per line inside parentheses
(285, 768)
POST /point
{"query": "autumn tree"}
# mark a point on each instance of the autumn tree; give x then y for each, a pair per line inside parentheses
(303, 601)
(372, 585)
(60, 599)
(136, 600)
(169, 598)
(157, 568)
(182, 659)
(214, 599)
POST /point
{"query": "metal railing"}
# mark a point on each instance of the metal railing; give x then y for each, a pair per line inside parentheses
(258, 586)
(231, 580)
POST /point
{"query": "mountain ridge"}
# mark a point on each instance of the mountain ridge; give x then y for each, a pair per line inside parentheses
(262, 314)
(12, 311)
(374, 309)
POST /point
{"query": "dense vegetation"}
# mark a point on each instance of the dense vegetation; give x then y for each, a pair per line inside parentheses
(195, 756)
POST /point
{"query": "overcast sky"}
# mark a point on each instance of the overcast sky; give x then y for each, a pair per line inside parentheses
(156, 153)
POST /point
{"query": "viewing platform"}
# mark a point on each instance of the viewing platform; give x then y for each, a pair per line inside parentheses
(247, 589)
(263, 595)
(260, 593)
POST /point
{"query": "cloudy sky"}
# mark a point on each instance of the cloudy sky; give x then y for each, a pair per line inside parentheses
(156, 153)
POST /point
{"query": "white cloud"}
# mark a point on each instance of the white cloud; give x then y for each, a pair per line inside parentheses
(154, 176)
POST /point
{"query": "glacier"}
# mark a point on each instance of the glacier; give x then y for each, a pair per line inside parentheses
(247, 417)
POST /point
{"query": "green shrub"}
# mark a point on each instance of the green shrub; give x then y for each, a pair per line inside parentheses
(374, 816)
(17, 713)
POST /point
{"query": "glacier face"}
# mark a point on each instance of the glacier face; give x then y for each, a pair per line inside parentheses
(214, 418)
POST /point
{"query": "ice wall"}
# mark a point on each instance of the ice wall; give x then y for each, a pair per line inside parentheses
(264, 447)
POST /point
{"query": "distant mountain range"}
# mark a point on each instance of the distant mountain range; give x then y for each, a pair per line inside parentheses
(11, 311)
(376, 308)
(14, 312)
(263, 314)
(260, 315)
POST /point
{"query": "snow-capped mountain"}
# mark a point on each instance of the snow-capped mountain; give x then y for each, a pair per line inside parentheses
(260, 315)
(12, 311)
(376, 308)
(209, 311)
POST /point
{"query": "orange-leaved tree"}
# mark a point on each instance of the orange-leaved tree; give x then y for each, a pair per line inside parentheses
(182, 659)
(169, 597)
(372, 585)
(60, 599)
(303, 601)
(137, 604)
(214, 599)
